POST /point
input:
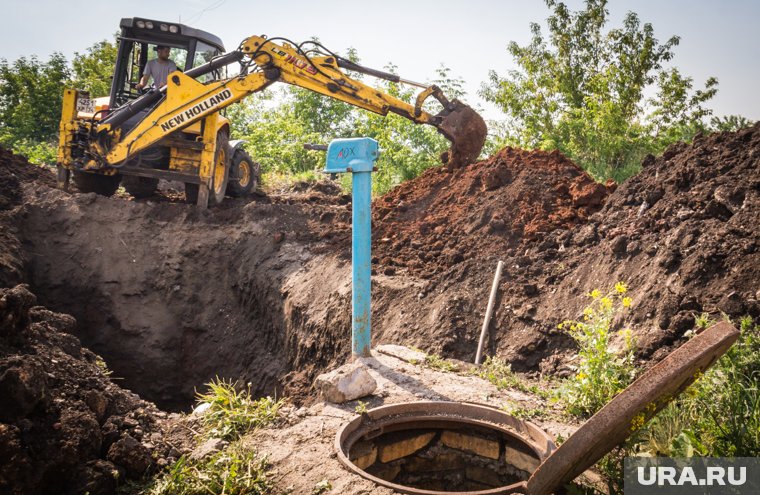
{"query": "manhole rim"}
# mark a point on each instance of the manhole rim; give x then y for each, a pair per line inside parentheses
(401, 413)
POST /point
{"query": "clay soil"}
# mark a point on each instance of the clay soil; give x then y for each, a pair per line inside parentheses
(258, 290)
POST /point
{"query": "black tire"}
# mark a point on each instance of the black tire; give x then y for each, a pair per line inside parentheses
(139, 187)
(244, 174)
(105, 185)
(219, 176)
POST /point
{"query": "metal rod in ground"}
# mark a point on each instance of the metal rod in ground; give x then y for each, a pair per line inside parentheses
(489, 311)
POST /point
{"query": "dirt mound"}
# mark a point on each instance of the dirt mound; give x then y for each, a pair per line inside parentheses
(63, 423)
(685, 233)
(437, 220)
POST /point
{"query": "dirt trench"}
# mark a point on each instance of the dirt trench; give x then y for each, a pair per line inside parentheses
(173, 296)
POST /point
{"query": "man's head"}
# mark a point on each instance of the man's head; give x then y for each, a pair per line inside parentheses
(163, 52)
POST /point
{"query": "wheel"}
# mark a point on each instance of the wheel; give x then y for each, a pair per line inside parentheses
(139, 187)
(105, 185)
(244, 174)
(219, 175)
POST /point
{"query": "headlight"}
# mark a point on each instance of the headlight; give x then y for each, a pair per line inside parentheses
(173, 29)
(149, 25)
(140, 24)
(164, 27)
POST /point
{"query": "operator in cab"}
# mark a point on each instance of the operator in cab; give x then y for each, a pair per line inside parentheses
(158, 69)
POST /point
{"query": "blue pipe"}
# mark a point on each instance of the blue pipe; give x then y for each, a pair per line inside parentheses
(358, 156)
(361, 255)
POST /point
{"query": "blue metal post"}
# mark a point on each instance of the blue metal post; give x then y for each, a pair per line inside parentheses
(361, 256)
(358, 156)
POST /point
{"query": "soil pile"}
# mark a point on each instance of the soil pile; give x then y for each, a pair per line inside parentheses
(437, 220)
(64, 426)
(63, 423)
(684, 232)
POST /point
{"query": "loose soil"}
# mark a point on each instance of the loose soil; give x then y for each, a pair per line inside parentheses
(258, 290)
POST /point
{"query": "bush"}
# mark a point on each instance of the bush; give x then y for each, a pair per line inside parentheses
(601, 372)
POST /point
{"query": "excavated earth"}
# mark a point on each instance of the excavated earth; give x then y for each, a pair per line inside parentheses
(258, 290)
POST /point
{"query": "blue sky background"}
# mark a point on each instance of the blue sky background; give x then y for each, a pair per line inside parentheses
(720, 39)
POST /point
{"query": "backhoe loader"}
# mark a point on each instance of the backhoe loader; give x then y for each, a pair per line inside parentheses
(178, 132)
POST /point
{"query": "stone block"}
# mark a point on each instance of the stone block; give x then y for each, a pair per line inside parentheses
(474, 444)
(363, 454)
(402, 445)
(349, 382)
(520, 459)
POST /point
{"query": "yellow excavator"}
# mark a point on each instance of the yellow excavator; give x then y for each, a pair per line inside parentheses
(178, 132)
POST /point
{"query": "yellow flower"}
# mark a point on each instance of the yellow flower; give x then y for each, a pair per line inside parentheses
(581, 376)
(637, 422)
(595, 293)
(606, 303)
(626, 302)
(621, 288)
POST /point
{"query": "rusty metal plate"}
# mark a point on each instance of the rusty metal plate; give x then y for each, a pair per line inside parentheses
(641, 400)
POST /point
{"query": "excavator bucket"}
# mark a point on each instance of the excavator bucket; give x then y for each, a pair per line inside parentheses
(467, 132)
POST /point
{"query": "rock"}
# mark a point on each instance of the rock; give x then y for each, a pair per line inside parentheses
(208, 448)
(130, 454)
(23, 387)
(349, 382)
(97, 402)
(202, 409)
(530, 290)
(619, 245)
(14, 310)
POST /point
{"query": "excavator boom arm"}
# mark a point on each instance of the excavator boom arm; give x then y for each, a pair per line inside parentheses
(187, 101)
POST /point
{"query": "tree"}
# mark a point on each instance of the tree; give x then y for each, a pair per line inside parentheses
(581, 90)
(275, 132)
(31, 97)
(93, 70)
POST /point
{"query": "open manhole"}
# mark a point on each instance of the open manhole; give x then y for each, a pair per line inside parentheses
(449, 447)
(433, 447)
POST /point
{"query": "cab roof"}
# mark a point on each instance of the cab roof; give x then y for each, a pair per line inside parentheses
(160, 34)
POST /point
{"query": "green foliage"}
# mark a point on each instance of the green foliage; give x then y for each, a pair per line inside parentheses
(231, 471)
(602, 372)
(580, 89)
(31, 95)
(322, 486)
(729, 123)
(93, 70)
(233, 413)
(277, 125)
(436, 362)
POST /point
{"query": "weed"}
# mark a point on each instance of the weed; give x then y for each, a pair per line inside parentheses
(602, 373)
(499, 372)
(100, 363)
(436, 362)
(232, 413)
(703, 321)
(232, 471)
(322, 487)
(361, 407)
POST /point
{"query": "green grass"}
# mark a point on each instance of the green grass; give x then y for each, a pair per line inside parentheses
(233, 471)
(232, 412)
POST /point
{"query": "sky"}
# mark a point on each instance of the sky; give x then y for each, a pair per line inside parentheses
(720, 39)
